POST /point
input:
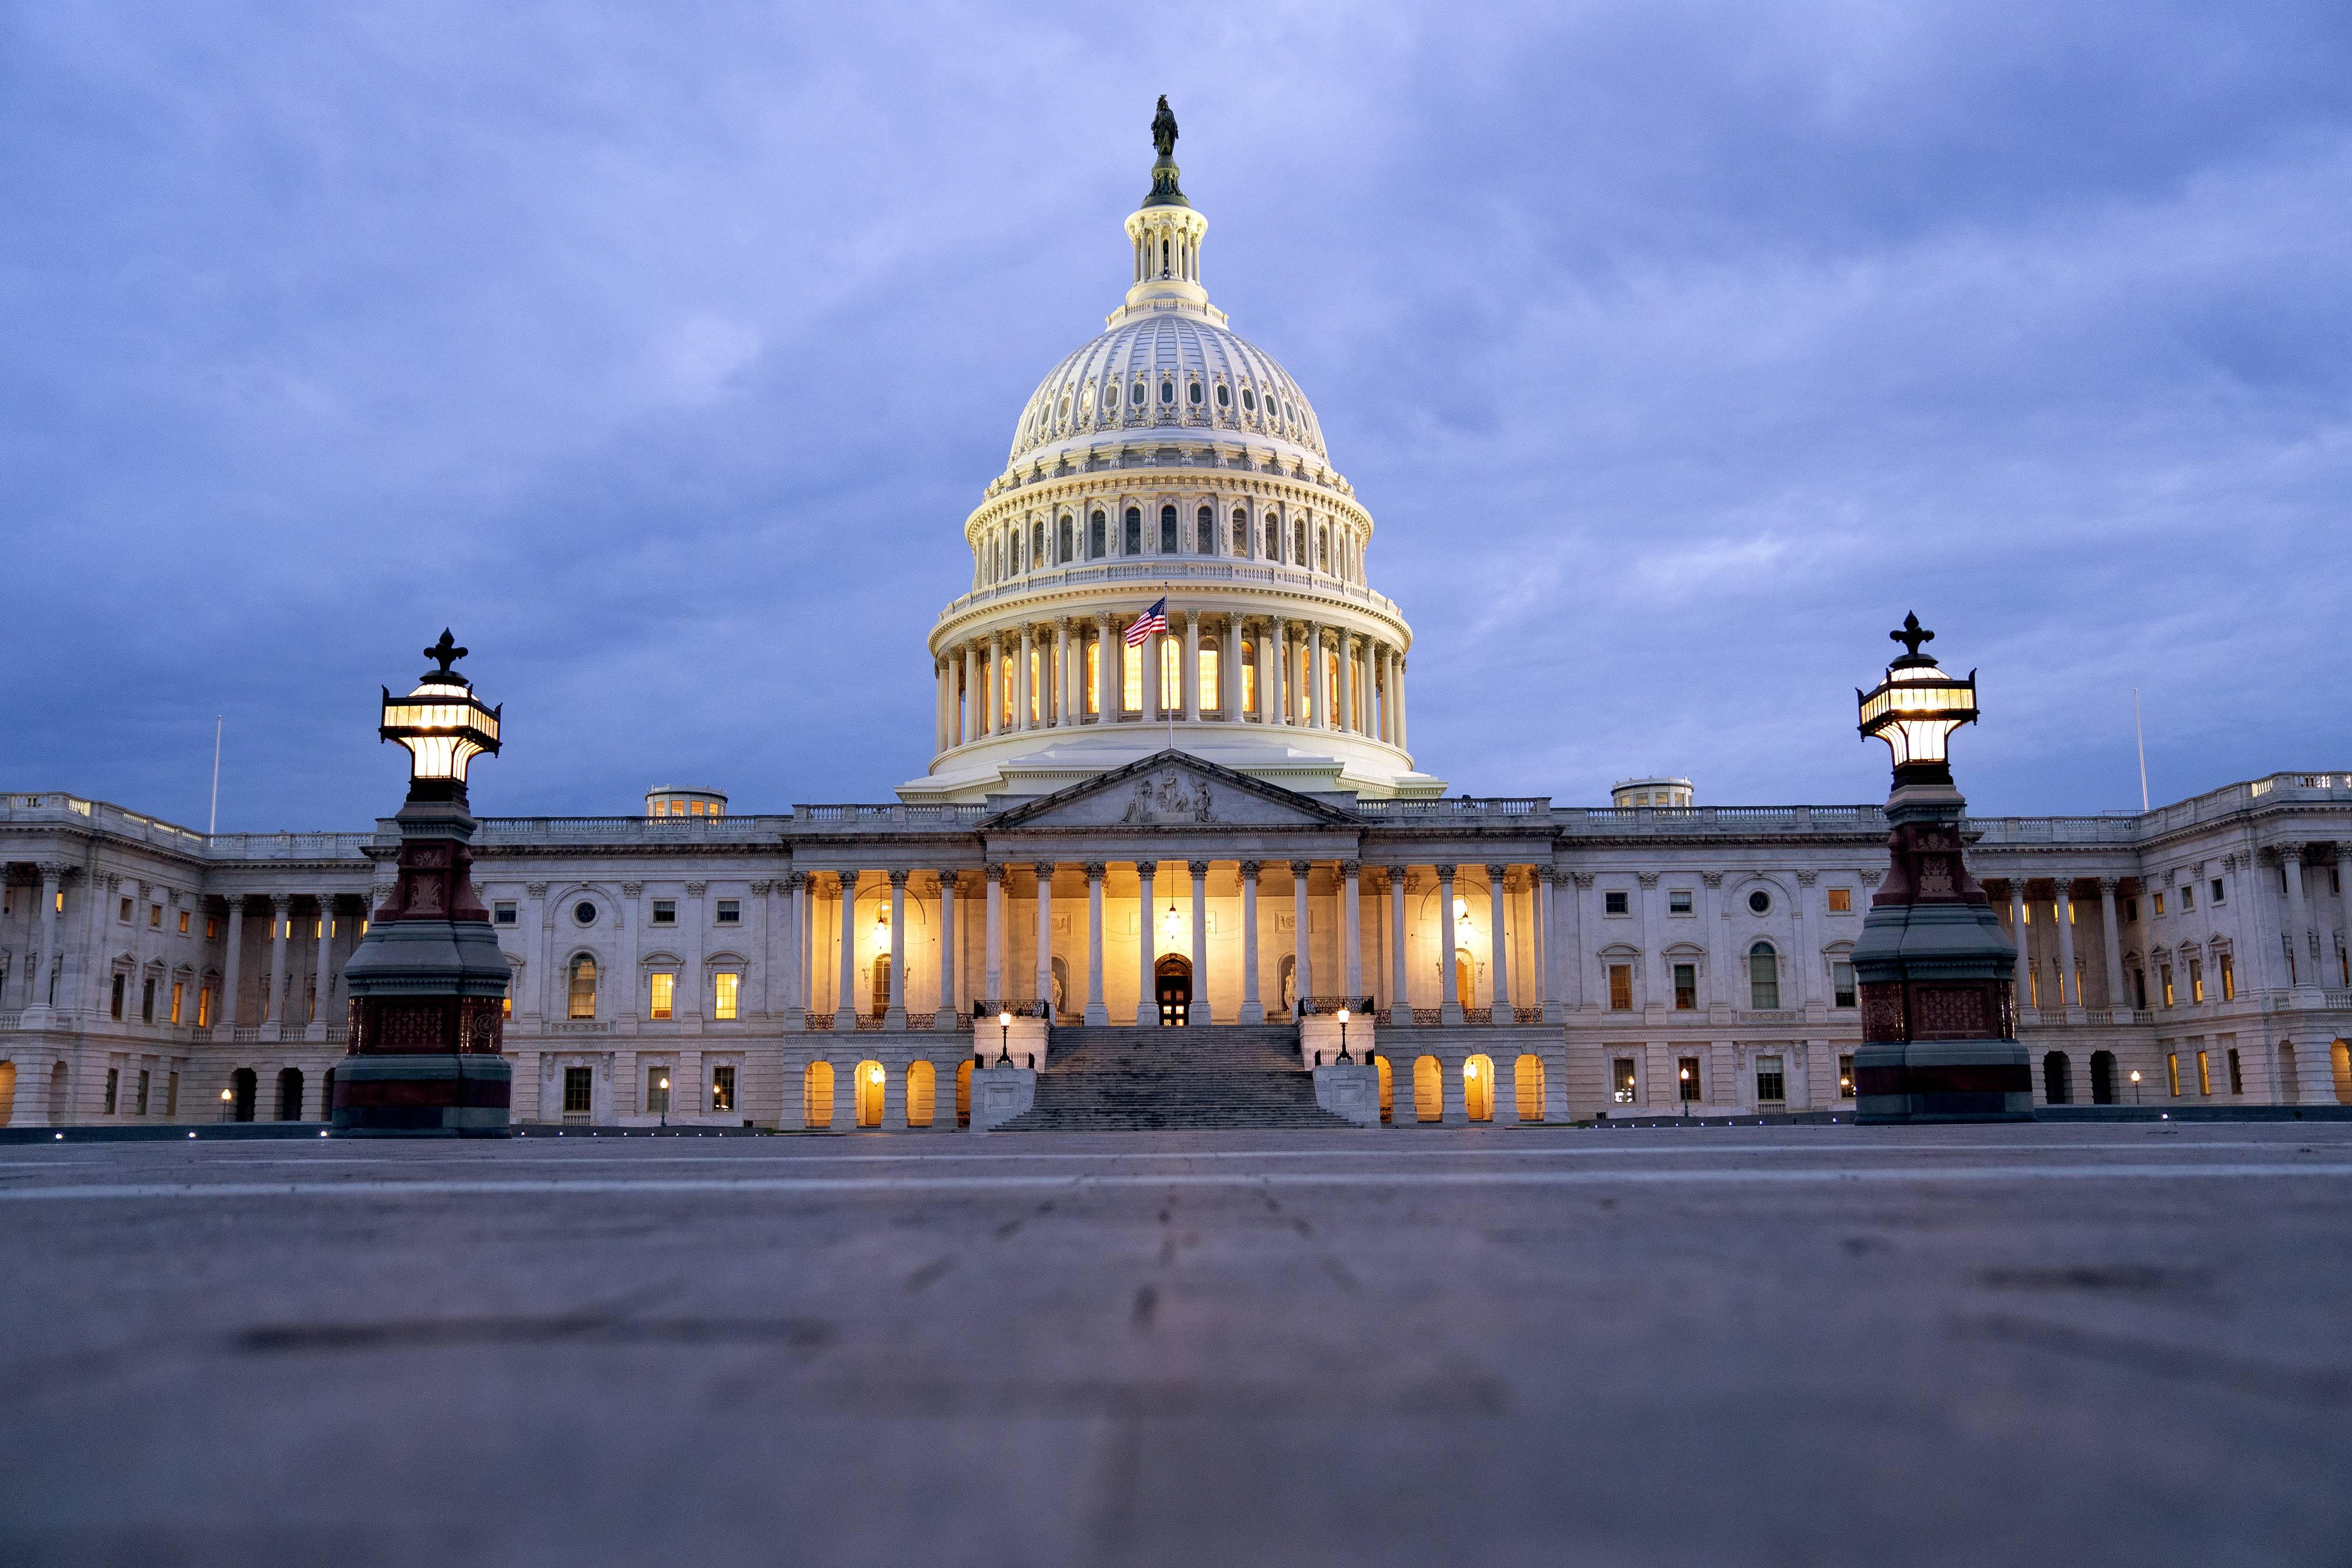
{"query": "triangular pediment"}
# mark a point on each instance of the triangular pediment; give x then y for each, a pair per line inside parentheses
(1172, 789)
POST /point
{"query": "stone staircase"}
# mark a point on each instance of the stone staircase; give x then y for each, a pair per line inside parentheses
(1132, 1080)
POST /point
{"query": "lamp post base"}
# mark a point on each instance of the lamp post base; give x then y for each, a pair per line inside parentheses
(444, 1095)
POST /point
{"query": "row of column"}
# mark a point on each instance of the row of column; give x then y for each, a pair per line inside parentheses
(1038, 670)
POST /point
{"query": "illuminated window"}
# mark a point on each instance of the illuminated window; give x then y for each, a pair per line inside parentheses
(1846, 1076)
(2229, 980)
(1040, 673)
(179, 992)
(2159, 906)
(184, 923)
(1679, 901)
(204, 1006)
(1686, 1079)
(1686, 987)
(2172, 1072)
(1621, 988)
(581, 996)
(1841, 901)
(1208, 676)
(662, 994)
(1172, 673)
(1094, 674)
(2164, 971)
(1249, 677)
(1130, 693)
(1613, 902)
(212, 928)
(1842, 982)
(1621, 1080)
(725, 986)
(1763, 977)
(579, 1091)
(61, 900)
(2204, 1075)
(2196, 980)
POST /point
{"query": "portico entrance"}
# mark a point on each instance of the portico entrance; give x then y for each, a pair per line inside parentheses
(1174, 976)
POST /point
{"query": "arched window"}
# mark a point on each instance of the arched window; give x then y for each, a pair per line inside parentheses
(1763, 977)
(963, 1093)
(867, 1089)
(582, 988)
(1167, 394)
(1323, 548)
(1224, 396)
(1109, 398)
(1066, 407)
(1036, 543)
(1167, 531)
(1193, 393)
(1211, 687)
(1273, 541)
(1249, 400)
(1205, 527)
(1298, 545)
(1066, 540)
(1249, 677)
(1163, 259)
(1241, 532)
(1098, 540)
(1138, 396)
(1478, 1088)
(1388, 1088)
(1133, 543)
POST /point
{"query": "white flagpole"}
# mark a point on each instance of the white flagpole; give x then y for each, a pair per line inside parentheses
(2141, 735)
(1167, 636)
(212, 823)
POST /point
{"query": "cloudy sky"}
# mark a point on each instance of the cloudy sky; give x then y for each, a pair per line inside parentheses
(1676, 350)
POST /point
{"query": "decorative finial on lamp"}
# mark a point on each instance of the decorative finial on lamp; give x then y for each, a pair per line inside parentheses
(1911, 636)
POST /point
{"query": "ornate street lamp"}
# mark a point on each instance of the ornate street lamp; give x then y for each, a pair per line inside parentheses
(1343, 1036)
(428, 982)
(1004, 1039)
(1934, 967)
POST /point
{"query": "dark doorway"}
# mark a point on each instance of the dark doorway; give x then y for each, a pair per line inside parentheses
(1175, 988)
(245, 1084)
(2057, 1079)
(290, 1095)
(2103, 1078)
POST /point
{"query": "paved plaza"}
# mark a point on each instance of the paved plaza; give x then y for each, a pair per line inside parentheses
(2079, 1344)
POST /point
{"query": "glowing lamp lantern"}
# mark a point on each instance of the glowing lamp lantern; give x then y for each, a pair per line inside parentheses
(1916, 709)
(1172, 925)
(882, 932)
(442, 723)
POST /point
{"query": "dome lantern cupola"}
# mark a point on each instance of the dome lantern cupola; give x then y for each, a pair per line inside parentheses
(1164, 235)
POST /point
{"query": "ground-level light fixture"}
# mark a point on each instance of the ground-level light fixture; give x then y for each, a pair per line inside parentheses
(1004, 1039)
(1343, 1036)
(665, 1088)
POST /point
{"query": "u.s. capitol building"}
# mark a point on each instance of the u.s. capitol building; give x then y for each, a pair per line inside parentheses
(1220, 824)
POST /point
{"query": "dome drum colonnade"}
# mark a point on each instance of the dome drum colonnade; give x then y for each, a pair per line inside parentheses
(1274, 635)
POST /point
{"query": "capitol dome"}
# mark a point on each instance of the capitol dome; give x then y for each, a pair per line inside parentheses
(1168, 466)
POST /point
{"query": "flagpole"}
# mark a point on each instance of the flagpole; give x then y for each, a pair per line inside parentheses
(1164, 632)
(2141, 735)
(212, 823)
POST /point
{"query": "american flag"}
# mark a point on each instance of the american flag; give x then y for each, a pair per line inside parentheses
(1152, 619)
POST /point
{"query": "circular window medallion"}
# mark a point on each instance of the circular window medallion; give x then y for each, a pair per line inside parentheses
(584, 913)
(1759, 901)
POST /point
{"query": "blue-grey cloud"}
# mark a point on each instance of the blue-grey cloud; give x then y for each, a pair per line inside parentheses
(1676, 350)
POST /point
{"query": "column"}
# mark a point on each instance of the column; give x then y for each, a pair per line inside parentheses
(1303, 937)
(1317, 688)
(1388, 695)
(2019, 973)
(2070, 990)
(1579, 884)
(1068, 667)
(1278, 688)
(992, 936)
(2343, 888)
(1400, 745)
(1809, 948)
(1400, 976)
(1146, 998)
(895, 1017)
(1351, 894)
(2307, 972)
(1097, 1012)
(1151, 647)
(796, 942)
(939, 704)
(1653, 967)
(275, 1008)
(1449, 988)
(1554, 1010)
(1105, 671)
(693, 1003)
(322, 1016)
(1229, 676)
(759, 997)
(1499, 904)
(232, 961)
(950, 1010)
(1199, 872)
(2116, 997)
(1044, 974)
(1253, 1011)
(1192, 686)
(844, 999)
(1024, 679)
(968, 726)
(1346, 649)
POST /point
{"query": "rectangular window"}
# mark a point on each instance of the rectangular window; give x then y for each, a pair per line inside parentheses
(1688, 1079)
(123, 913)
(179, 993)
(2196, 981)
(656, 1091)
(171, 1096)
(204, 1006)
(1620, 1072)
(2159, 906)
(1094, 675)
(1132, 541)
(2229, 980)
(2219, 894)
(2173, 1070)
(1130, 678)
(154, 917)
(184, 923)
(114, 1004)
(664, 911)
(722, 1089)
(2131, 911)
(1841, 901)
(2188, 899)
(1172, 674)
(1212, 684)
(579, 1091)
(1613, 902)
(731, 912)
(503, 914)
(1842, 983)
(2204, 1075)
(1845, 1075)
(2237, 1081)
(139, 1106)
(1763, 979)
(113, 1085)
(1772, 1083)
(212, 928)
(2140, 989)
(1686, 987)
(2164, 973)
(1679, 901)
(726, 986)
(147, 1001)
(662, 994)
(1249, 680)
(1621, 988)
